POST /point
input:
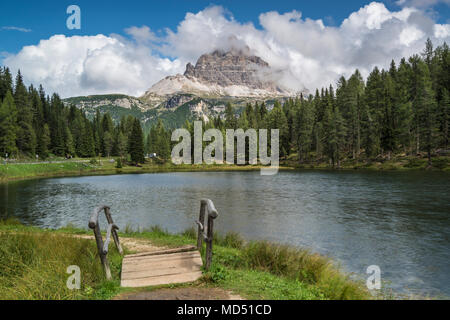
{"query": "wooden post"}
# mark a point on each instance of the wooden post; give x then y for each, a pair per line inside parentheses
(103, 258)
(209, 242)
(201, 228)
(114, 231)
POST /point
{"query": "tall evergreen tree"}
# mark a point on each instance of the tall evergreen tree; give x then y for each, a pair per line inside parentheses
(26, 137)
(136, 143)
(426, 108)
(8, 126)
(304, 122)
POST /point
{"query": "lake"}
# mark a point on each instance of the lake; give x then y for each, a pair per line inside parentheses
(399, 221)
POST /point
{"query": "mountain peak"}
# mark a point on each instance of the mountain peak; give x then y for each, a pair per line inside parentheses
(232, 68)
(234, 73)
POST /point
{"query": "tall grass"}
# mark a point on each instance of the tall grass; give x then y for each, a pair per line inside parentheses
(302, 265)
(33, 266)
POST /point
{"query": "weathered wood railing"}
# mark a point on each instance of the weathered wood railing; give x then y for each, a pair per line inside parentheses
(111, 230)
(208, 209)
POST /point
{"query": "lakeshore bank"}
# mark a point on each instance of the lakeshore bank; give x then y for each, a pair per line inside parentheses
(104, 166)
(33, 266)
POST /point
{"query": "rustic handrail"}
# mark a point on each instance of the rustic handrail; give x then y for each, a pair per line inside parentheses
(207, 208)
(111, 230)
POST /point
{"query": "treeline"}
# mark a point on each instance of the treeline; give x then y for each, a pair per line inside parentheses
(403, 110)
(34, 124)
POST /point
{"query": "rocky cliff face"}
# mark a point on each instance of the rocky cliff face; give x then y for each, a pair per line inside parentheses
(230, 69)
(233, 73)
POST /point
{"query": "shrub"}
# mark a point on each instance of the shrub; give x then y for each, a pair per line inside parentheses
(119, 163)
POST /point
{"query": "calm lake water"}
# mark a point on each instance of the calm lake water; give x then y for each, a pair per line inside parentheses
(399, 221)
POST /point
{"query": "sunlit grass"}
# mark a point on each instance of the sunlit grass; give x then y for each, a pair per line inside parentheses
(33, 266)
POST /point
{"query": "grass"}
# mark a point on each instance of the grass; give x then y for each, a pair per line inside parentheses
(22, 171)
(262, 270)
(12, 171)
(396, 163)
(33, 265)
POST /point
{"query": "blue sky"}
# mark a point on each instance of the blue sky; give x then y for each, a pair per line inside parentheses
(128, 46)
(47, 17)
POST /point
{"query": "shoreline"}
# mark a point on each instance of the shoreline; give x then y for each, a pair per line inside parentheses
(23, 171)
(257, 270)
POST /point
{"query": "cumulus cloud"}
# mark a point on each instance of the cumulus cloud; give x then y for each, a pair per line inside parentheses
(421, 3)
(305, 53)
(81, 65)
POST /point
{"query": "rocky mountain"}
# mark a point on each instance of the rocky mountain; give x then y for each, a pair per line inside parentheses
(201, 92)
(233, 74)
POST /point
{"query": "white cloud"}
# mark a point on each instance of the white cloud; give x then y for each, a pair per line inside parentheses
(16, 29)
(421, 3)
(304, 52)
(142, 34)
(82, 65)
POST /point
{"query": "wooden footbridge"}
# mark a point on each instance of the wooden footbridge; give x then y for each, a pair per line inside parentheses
(171, 266)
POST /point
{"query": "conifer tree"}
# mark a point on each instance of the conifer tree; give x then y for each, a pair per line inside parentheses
(136, 143)
(26, 137)
(122, 144)
(8, 127)
(303, 128)
(426, 107)
(230, 117)
(43, 142)
(444, 117)
(5, 83)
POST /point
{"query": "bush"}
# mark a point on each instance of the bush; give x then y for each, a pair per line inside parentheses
(441, 163)
(119, 163)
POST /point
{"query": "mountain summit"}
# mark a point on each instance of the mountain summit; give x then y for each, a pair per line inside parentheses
(233, 73)
(202, 92)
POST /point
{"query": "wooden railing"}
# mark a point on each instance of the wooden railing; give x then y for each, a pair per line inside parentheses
(111, 230)
(208, 209)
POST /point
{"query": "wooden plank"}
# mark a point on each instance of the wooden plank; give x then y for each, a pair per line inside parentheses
(168, 261)
(161, 252)
(169, 268)
(160, 272)
(161, 257)
(167, 279)
(161, 264)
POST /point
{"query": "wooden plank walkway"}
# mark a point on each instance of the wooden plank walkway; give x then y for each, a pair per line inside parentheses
(171, 266)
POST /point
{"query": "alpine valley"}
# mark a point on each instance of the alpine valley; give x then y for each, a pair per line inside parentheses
(202, 92)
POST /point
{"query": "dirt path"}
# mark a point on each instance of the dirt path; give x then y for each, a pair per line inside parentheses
(133, 245)
(180, 294)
